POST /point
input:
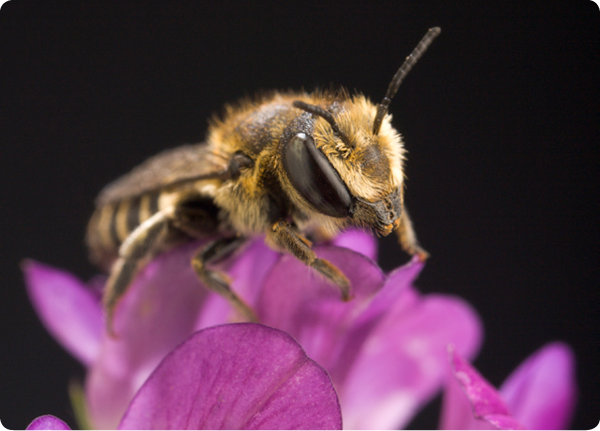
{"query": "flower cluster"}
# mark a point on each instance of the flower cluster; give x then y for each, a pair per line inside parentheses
(178, 361)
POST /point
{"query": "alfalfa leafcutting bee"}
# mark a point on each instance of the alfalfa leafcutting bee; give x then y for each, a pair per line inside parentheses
(286, 165)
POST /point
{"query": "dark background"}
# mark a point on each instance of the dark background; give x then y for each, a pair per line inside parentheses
(500, 119)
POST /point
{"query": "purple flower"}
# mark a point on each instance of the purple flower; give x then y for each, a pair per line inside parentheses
(385, 350)
(48, 422)
(539, 394)
(240, 376)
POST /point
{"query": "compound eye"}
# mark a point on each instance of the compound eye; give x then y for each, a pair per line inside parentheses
(313, 176)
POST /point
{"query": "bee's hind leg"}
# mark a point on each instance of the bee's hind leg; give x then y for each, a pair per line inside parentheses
(282, 235)
(217, 281)
(134, 251)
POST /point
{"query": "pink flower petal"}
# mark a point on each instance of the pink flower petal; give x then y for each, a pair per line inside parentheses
(163, 307)
(299, 301)
(380, 384)
(358, 241)
(470, 402)
(404, 360)
(399, 281)
(238, 376)
(541, 392)
(483, 396)
(48, 422)
(396, 292)
(158, 312)
(248, 270)
(69, 310)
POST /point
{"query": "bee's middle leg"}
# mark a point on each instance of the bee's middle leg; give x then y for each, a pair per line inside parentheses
(284, 237)
(217, 281)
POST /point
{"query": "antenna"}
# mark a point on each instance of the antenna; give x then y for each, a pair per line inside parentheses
(408, 64)
(317, 110)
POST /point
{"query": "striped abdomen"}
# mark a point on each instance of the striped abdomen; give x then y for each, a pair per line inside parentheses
(113, 222)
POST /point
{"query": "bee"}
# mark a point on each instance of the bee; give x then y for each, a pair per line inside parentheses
(288, 165)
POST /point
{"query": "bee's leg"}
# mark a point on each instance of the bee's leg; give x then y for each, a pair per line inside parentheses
(134, 250)
(408, 238)
(282, 235)
(217, 281)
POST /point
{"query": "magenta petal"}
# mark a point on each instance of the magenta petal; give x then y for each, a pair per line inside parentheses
(504, 422)
(301, 302)
(483, 397)
(358, 241)
(398, 283)
(48, 422)
(69, 310)
(396, 293)
(163, 307)
(248, 271)
(470, 402)
(541, 392)
(237, 376)
(158, 312)
(404, 361)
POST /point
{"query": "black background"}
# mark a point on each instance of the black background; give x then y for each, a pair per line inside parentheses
(500, 119)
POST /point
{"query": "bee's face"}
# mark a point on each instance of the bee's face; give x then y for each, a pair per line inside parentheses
(359, 180)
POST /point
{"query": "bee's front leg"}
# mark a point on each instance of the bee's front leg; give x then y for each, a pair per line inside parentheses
(282, 235)
(134, 251)
(407, 237)
(218, 282)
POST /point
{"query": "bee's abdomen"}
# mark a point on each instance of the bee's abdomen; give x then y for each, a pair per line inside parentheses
(112, 223)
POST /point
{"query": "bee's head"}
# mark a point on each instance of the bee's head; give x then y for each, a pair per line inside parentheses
(340, 168)
(344, 158)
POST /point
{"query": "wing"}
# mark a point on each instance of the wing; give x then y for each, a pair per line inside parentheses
(185, 163)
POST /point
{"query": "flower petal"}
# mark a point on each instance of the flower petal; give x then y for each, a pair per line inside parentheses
(396, 293)
(48, 422)
(358, 241)
(399, 281)
(165, 305)
(541, 392)
(158, 312)
(69, 310)
(404, 360)
(248, 271)
(236, 376)
(299, 301)
(470, 402)
(483, 396)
